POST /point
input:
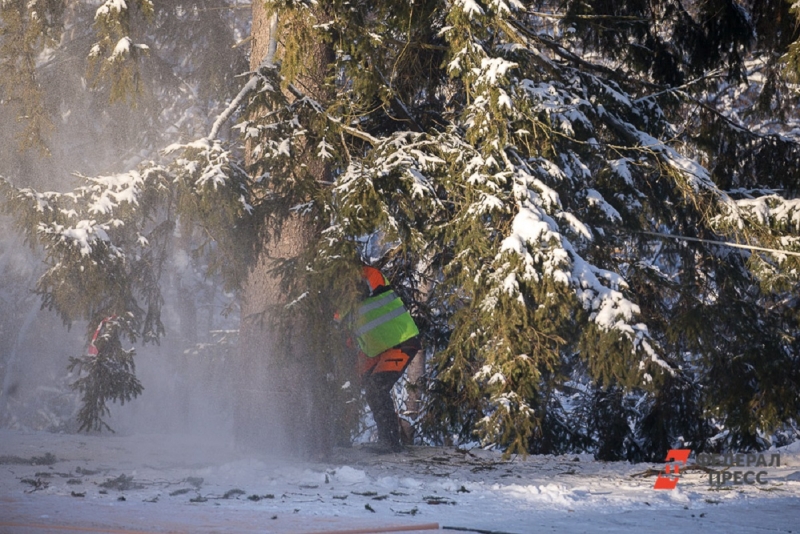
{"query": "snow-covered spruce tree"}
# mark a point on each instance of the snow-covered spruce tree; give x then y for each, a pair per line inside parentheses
(529, 192)
(740, 374)
(107, 241)
(284, 373)
(519, 178)
(125, 278)
(513, 158)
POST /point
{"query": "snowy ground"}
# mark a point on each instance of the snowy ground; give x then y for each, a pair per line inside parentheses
(156, 483)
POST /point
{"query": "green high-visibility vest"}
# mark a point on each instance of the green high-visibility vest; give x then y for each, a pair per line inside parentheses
(383, 322)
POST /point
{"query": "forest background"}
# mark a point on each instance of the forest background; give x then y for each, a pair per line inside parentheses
(589, 206)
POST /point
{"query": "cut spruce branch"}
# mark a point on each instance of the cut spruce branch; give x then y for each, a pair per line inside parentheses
(693, 467)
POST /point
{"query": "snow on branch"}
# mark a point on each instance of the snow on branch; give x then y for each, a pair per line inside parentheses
(107, 192)
(768, 210)
(41, 201)
(469, 7)
(542, 253)
(233, 106)
(83, 235)
(110, 5)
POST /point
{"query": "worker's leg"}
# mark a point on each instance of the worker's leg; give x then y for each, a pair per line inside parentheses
(378, 388)
(378, 383)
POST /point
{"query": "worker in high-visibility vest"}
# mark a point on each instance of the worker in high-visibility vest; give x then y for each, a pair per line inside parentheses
(388, 340)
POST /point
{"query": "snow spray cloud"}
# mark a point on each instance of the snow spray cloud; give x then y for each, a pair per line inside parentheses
(34, 346)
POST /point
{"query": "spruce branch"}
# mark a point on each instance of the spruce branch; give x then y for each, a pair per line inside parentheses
(108, 376)
(516, 29)
(233, 106)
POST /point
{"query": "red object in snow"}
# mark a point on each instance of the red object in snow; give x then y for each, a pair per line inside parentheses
(92, 347)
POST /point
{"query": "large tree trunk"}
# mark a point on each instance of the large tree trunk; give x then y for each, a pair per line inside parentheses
(415, 375)
(415, 386)
(280, 393)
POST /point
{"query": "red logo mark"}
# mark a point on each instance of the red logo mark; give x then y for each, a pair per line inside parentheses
(679, 457)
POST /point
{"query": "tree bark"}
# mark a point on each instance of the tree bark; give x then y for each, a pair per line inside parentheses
(415, 375)
(279, 406)
(415, 386)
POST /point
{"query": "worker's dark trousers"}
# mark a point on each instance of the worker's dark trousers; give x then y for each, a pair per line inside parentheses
(378, 388)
